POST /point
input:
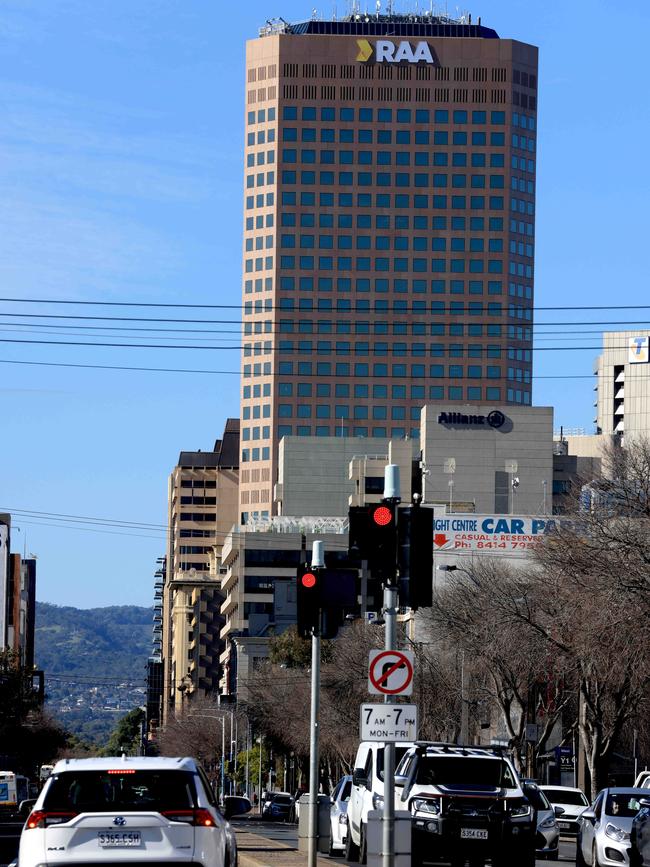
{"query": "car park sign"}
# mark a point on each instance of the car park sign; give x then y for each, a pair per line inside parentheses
(500, 534)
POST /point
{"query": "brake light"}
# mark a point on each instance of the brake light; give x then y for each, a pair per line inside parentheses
(200, 817)
(121, 771)
(43, 819)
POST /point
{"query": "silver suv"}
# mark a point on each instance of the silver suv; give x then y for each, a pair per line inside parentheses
(466, 803)
(137, 811)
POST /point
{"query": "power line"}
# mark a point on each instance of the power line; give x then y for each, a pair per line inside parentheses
(234, 372)
(120, 367)
(149, 304)
(140, 525)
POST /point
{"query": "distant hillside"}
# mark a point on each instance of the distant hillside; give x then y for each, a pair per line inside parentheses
(94, 662)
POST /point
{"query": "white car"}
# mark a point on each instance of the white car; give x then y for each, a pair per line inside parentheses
(132, 810)
(339, 815)
(604, 834)
(573, 801)
(643, 780)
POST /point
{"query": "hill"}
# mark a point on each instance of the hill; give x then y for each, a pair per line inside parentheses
(95, 664)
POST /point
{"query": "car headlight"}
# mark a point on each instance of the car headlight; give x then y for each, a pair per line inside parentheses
(517, 811)
(424, 805)
(617, 834)
(377, 802)
(343, 818)
(549, 822)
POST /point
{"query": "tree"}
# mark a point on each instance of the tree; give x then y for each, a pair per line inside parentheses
(28, 736)
(509, 667)
(127, 735)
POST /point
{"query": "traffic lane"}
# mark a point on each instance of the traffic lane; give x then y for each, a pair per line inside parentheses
(567, 856)
(9, 840)
(287, 833)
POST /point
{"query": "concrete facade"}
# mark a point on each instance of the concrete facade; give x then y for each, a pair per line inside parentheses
(389, 218)
(203, 506)
(259, 583)
(623, 384)
(323, 476)
(462, 445)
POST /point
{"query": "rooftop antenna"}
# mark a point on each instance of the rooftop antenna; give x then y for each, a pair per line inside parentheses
(378, 8)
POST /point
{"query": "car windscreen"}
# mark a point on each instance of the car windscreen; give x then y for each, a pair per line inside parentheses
(564, 796)
(283, 800)
(99, 791)
(346, 790)
(464, 770)
(624, 805)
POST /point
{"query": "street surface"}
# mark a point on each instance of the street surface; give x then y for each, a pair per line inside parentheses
(288, 833)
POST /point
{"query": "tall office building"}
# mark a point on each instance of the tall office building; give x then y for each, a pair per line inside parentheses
(388, 229)
(623, 386)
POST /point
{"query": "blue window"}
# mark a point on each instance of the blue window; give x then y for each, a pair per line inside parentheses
(498, 117)
(308, 113)
(441, 115)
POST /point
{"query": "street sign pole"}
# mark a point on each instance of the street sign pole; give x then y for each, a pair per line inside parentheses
(317, 560)
(391, 492)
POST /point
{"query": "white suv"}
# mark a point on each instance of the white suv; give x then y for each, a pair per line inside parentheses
(127, 810)
(466, 802)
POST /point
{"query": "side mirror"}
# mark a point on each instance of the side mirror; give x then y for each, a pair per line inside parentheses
(559, 811)
(359, 778)
(233, 805)
(589, 815)
(644, 803)
(400, 782)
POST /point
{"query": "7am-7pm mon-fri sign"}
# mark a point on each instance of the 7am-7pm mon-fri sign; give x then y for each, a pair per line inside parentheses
(501, 534)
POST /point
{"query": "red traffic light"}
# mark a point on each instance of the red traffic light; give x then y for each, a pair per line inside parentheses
(382, 516)
(308, 580)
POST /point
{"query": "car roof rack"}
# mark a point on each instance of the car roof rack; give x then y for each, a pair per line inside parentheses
(463, 749)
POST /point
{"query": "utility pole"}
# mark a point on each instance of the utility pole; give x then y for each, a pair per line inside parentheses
(317, 562)
(391, 495)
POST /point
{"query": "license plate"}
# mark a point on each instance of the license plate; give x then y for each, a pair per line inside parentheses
(126, 838)
(564, 824)
(473, 834)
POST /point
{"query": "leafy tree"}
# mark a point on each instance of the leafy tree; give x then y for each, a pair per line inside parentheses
(127, 734)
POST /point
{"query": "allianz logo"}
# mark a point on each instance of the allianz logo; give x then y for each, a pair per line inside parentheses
(387, 51)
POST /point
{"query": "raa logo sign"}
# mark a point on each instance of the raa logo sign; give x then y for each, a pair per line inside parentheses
(387, 51)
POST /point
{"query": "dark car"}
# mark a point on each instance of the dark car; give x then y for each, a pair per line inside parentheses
(640, 836)
(279, 805)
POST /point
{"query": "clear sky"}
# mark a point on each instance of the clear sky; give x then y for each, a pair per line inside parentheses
(121, 180)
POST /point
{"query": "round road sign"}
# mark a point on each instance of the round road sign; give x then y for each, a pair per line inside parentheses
(390, 672)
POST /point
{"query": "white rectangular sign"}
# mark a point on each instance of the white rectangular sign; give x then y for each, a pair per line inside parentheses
(389, 722)
(638, 350)
(500, 534)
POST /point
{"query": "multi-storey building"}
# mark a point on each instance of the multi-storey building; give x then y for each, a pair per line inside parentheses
(623, 385)
(203, 506)
(389, 211)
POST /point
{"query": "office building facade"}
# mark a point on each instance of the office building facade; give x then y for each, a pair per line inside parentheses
(623, 385)
(203, 505)
(388, 229)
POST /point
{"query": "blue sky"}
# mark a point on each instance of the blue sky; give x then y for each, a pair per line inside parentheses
(120, 170)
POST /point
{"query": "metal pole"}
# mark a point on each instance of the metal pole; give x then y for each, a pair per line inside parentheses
(312, 837)
(260, 780)
(248, 747)
(464, 711)
(388, 824)
(236, 749)
(230, 758)
(223, 758)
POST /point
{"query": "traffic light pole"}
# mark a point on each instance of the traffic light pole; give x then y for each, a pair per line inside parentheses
(388, 824)
(392, 494)
(312, 839)
(317, 561)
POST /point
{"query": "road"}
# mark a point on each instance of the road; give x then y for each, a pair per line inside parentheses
(288, 833)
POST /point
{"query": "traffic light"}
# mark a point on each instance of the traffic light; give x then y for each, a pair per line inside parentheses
(415, 557)
(308, 600)
(373, 537)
